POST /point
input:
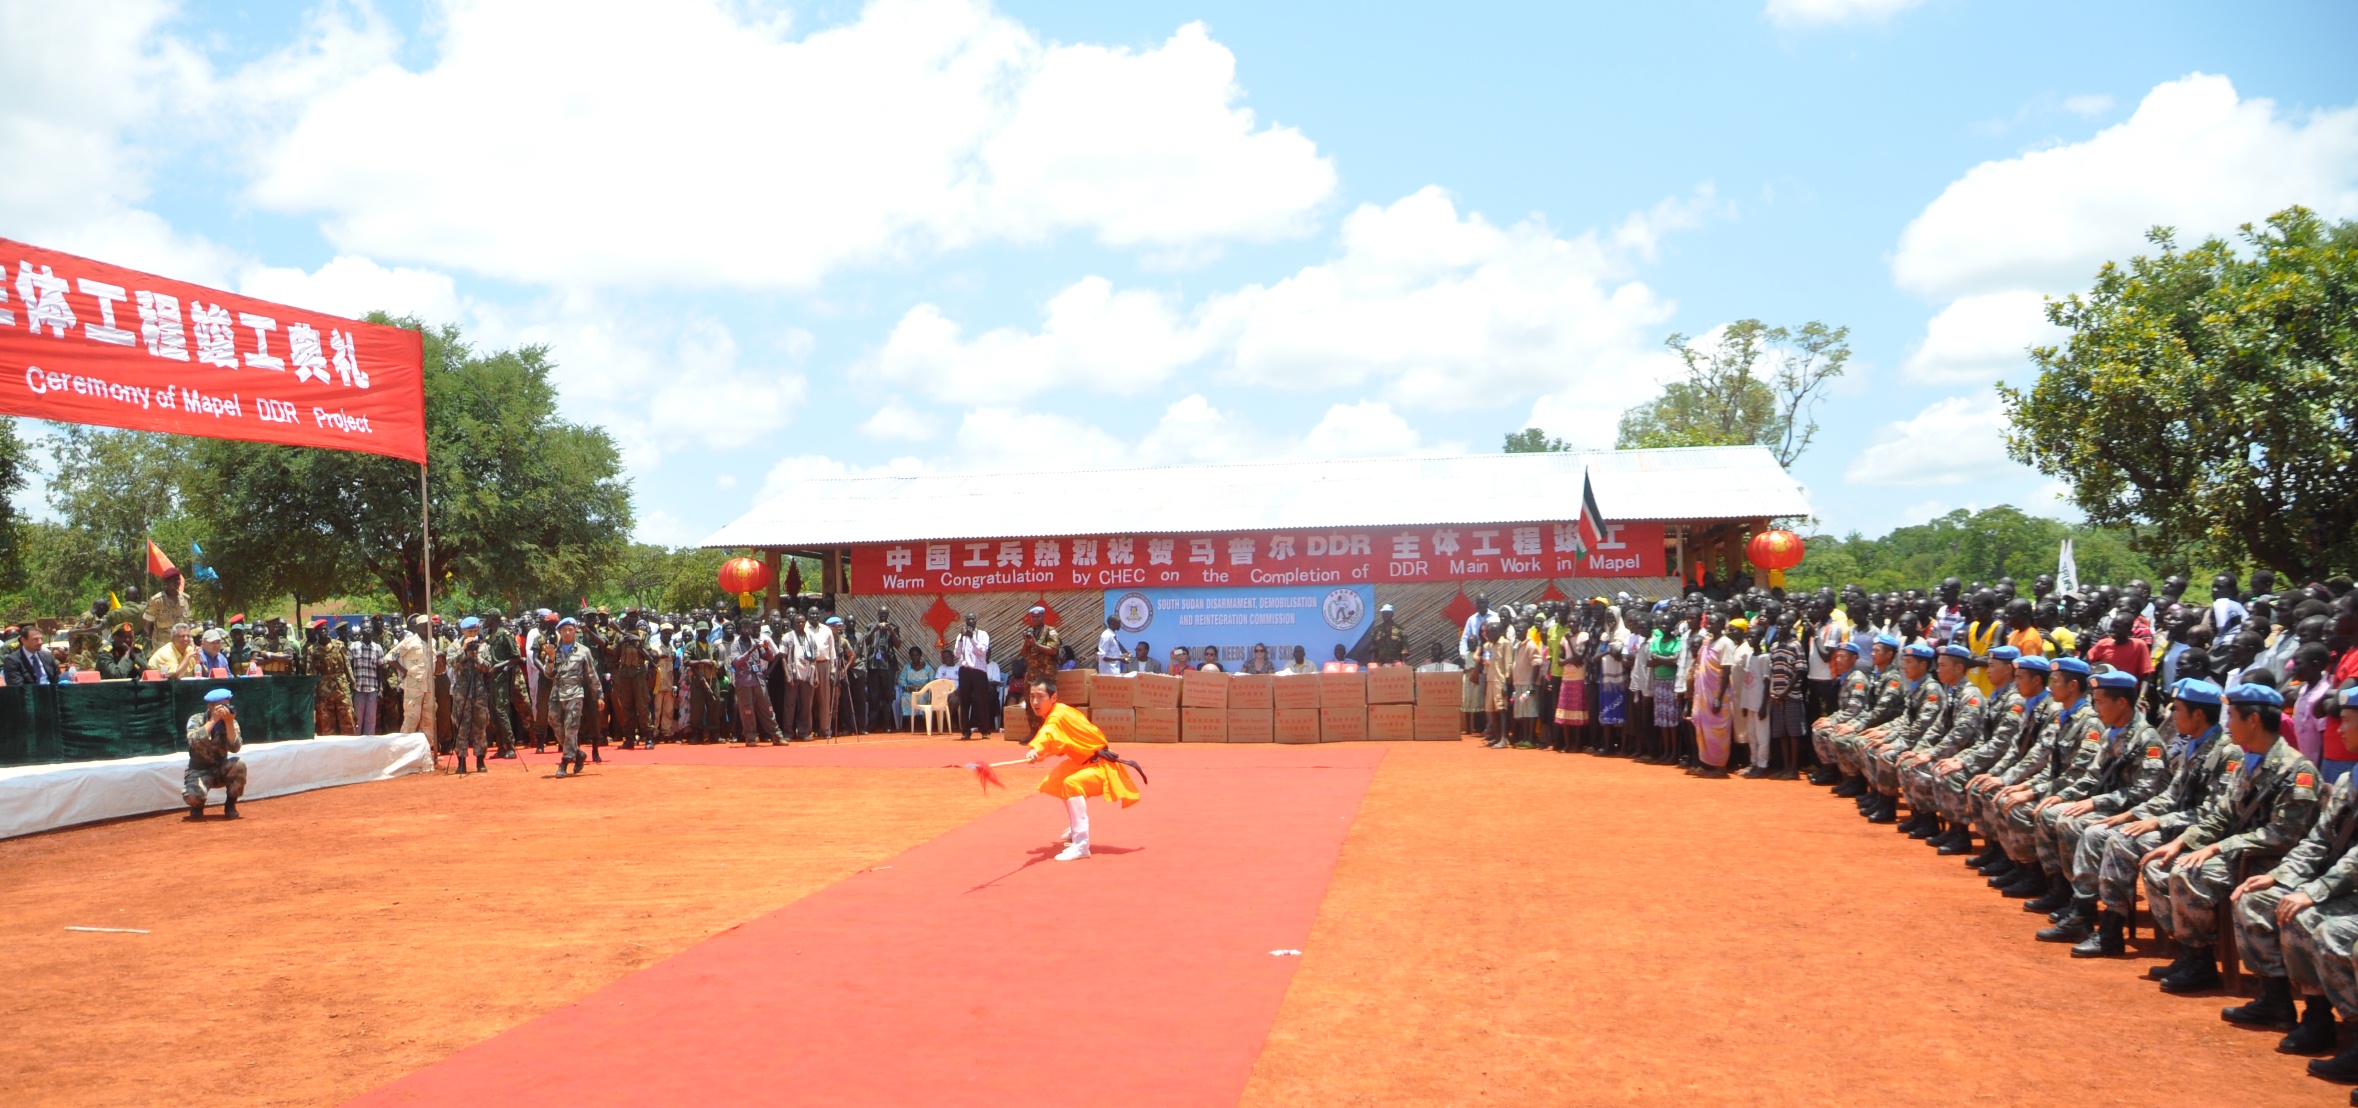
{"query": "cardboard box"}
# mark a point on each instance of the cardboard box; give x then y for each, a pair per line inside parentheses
(1342, 690)
(1015, 723)
(1342, 725)
(1113, 692)
(1203, 725)
(1294, 691)
(1155, 690)
(1296, 725)
(1119, 724)
(1073, 686)
(1204, 689)
(1391, 722)
(1440, 688)
(1251, 725)
(1252, 690)
(1156, 725)
(1439, 722)
(1391, 685)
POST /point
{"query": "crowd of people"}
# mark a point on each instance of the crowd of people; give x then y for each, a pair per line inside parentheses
(2100, 747)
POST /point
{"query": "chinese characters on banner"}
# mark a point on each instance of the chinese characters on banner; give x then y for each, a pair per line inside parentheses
(1457, 552)
(86, 342)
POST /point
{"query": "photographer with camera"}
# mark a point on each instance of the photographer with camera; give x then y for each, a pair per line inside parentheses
(213, 744)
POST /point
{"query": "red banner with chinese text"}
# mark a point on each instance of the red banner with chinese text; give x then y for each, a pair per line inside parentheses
(1391, 555)
(87, 342)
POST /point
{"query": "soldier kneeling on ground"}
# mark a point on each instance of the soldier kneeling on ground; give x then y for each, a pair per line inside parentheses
(213, 763)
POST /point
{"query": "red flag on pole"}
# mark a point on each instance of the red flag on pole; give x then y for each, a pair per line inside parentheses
(157, 564)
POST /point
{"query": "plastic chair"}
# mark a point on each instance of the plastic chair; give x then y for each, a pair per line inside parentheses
(932, 701)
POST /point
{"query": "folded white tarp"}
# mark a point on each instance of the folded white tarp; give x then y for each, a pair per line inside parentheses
(40, 798)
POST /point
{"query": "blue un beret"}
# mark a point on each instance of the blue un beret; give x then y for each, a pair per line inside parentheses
(216, 696)
(2036, 663)
(468, 622)
(568, 621)
(2115, 679)
(2077, 667)
(2195, 690)
(1886, 640)
(2250, 695)
(2004, 654)
(1848, 644)
(1958, 652)
(1918, 650)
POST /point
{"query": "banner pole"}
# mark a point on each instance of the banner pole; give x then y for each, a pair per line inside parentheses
(426, 560)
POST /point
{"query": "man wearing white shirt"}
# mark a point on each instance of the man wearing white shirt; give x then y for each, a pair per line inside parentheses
(794, 653)
(1469, 639)
(973, 653)
(822, 655)
(1109, 649)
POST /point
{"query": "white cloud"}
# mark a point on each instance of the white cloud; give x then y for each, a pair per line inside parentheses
(1955, 441)
(1367, 429)
(897, 421)
(686, 145)
(1982, 338)
(1426, 307)
(806, 467)
(1793, 12)
(1008, 440)
(2193, 156)
(2090, 104)
(353, 287)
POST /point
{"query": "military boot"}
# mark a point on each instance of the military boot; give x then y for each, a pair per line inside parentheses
(2029, 883)
(2057, 895)
(2106, 941)
(1988, 857)
(2315, 1035)
(1886, 810)
(1824, 775)
(2073, 927)
(1960, 842)
(2340, 1067)
(2000, 871)
(2200, 975)
(1850, 786)
(2272, 1008)
(1924, 825)
(1915, 822)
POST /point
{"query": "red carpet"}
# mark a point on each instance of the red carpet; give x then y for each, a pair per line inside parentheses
(928, 753)
(973, 969)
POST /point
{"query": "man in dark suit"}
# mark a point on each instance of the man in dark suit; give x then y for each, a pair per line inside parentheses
(28, 664)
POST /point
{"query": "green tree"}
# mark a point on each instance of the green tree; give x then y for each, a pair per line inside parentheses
(117, 488)
(2208, 399)
(526, 507)
(2003, 541)
(1532, 440)
(1758, 385)
(13, 464)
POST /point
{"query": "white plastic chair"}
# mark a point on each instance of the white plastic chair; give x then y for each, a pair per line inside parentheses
(931, 701)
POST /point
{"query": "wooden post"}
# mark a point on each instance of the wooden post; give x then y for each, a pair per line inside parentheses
(773, 556)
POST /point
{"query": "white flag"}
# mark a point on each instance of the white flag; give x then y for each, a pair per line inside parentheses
(2067, 571)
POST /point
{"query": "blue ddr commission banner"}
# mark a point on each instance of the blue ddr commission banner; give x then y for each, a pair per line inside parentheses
(1313, 617)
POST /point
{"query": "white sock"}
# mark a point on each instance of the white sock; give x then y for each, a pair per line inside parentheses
(1076, 809)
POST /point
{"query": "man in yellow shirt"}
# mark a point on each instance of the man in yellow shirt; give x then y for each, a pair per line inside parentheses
(177, 658)
(1088, 768)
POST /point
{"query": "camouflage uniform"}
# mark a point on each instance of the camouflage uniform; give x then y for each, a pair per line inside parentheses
(1039, 662)
(212, 764)
(2267, 809)
(2131, 769)
(569, 694)
(1389, 646)
(2001, 730)
(2199, 770)
(332, 710)
(505, 661)
(1927, 706)
(472, 704)
(2310, 869)
(628, 650)
(700, 676)
(1889, 703)
(1856, 699)
(2067, 752)
(1959, 728)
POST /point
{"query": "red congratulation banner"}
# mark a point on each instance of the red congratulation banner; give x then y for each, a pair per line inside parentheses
(1466, 552)
(86, 342)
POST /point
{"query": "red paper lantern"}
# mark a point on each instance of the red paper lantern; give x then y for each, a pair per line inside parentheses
(1776, 552)
(743, 575)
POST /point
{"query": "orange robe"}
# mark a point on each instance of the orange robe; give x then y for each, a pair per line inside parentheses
(1068, 733)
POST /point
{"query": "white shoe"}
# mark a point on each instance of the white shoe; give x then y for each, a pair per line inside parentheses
(1066, 837)
(1072, 853)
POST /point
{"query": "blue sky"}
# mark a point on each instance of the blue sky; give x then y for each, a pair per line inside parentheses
(767, 241)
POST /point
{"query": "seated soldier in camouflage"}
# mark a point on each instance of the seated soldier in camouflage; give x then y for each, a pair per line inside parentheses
(2070, 750)
(2129, 770)
(1854, 694)
(1999, 727)
(1886, 697)
(2033, 744)
(2200, 760)
(2269, 805)
(1958, 727)
(213, 743)
(1881, 749)
(2296, 926)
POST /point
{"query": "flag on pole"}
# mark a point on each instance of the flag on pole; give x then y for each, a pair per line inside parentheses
(2067, 571)
(112, 601)
(157, 564)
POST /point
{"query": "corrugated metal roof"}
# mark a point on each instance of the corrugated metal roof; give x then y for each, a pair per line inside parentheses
(1701, 483)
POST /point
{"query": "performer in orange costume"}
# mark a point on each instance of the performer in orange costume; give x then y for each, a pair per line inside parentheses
(1088, 768)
